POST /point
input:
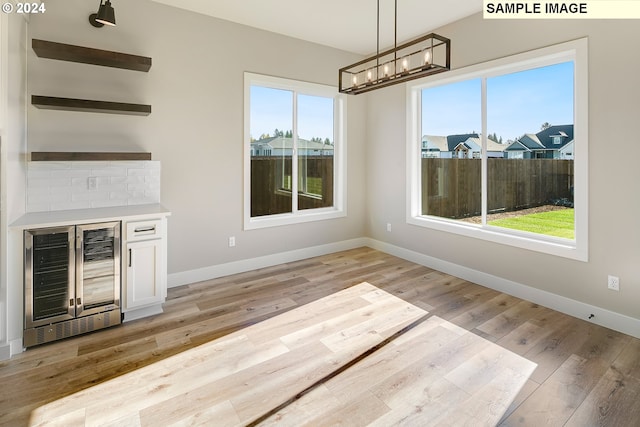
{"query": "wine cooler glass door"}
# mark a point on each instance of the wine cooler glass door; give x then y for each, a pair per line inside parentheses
(49, 276)
(98, 269)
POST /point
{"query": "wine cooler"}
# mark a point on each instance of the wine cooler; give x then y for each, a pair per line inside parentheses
(72, 281)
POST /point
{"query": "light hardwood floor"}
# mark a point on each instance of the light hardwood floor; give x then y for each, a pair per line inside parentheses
(359, 356)
(586, 375)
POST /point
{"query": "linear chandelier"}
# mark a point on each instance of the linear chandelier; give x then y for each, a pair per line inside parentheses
(426, 55)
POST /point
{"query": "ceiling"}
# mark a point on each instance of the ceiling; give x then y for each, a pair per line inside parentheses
(343, 24)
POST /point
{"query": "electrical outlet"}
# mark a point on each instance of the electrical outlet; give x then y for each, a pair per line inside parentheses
(389, 227)
(613, 283)
(92, 183)
(232, 241)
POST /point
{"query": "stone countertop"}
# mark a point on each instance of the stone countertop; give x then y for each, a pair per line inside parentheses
(87, 216)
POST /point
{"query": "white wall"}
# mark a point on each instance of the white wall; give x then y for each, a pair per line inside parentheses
(614, 203)
(195, 87)
(195, 130)
(13, 30)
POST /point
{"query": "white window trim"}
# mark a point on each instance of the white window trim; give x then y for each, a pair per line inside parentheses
(339, 156)
(577, 249)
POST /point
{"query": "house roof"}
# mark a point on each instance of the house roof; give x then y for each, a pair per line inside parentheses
(454, 140)
(546, 136)
(543, 140)
(516, 146)
(283, 143)
(470, 141)
(531, 142)
(436, 142)
(491, 144)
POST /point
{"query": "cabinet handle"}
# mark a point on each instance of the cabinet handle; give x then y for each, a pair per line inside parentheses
(71, 304)
(78, 301)
(130, 257)
(145, 229)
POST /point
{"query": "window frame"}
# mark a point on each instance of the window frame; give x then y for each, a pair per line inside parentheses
(577, 249)
(338, 209)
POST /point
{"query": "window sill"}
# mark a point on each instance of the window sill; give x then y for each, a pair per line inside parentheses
(546, 244)
(289, 218)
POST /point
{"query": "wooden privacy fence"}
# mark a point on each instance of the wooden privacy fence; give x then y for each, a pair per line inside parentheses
(271, 183)
(451, 188)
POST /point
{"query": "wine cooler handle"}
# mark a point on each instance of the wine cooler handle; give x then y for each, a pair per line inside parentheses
(130, 257)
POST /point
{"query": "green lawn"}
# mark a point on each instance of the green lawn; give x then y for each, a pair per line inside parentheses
(314, 185)
(558, 223)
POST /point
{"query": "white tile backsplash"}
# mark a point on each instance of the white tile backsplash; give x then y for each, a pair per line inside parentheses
(53, 186)
(68, 173)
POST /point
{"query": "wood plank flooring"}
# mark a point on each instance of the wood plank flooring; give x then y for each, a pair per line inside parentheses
(586, 375)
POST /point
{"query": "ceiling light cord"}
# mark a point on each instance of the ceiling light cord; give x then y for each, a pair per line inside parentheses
(395, 30)
(378, 33)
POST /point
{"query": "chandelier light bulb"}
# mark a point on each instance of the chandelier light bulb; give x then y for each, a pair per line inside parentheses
(427, 57)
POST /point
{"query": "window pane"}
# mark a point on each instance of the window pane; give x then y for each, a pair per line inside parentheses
(271, 118)
(450, 151)
(531, 150)
(315, 152)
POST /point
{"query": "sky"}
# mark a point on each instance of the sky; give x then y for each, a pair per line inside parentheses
(517, 103)
(273, 108)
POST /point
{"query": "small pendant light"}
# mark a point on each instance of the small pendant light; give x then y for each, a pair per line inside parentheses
(106, 15)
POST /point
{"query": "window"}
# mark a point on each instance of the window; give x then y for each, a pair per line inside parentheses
(513, 167)
(294, 145)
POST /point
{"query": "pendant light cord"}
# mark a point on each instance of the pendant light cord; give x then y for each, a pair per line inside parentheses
(395, 34)
(378, 40)
(395, 26)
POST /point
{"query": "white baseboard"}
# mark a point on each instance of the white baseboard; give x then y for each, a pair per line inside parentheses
(5, 352)
(601, 316)
(221, 270)
(16, 346)
(142, 312)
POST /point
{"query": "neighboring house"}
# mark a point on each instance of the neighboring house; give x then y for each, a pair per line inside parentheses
(566, 152)
(456, 145)
(283, 146)
(472, 147)
(434, 146)
(555, 142)
(464, 146)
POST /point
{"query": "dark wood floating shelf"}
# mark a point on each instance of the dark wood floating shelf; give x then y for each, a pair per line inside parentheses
(87, 55)
(71, 104)
(63, 156)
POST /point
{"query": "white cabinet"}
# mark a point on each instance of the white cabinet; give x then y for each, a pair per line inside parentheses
(145, 272)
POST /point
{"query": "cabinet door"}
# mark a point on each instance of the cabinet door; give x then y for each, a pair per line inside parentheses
(143, 279)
